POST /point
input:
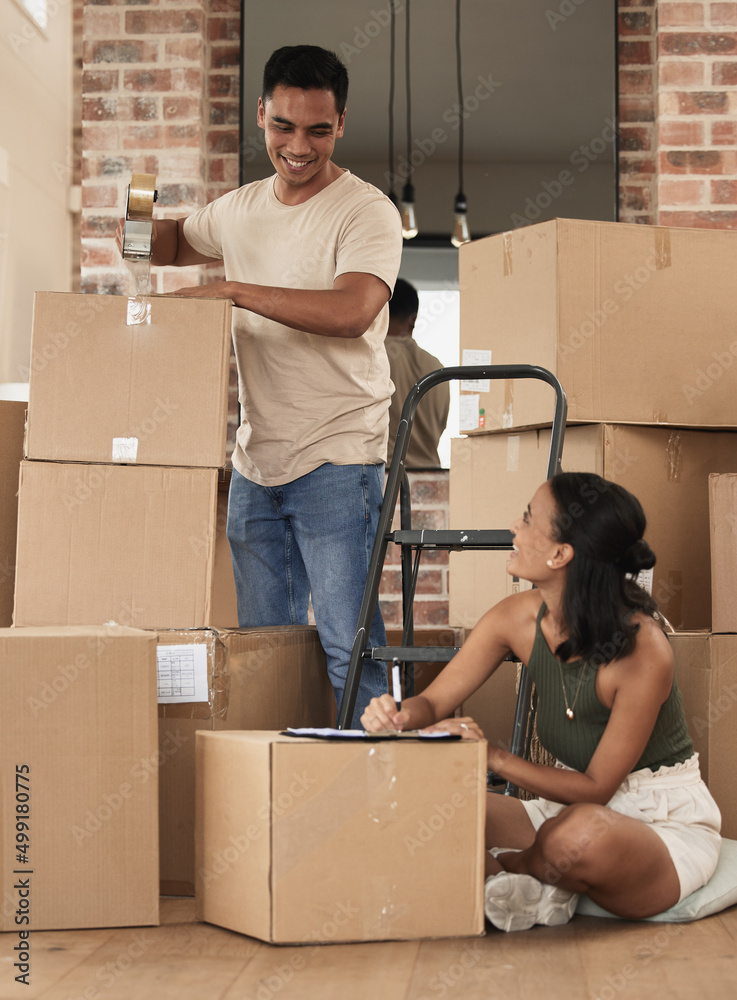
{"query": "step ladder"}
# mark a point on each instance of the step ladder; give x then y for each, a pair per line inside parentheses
(414, 541)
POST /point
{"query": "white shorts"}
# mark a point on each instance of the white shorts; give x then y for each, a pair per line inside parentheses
(677, 805)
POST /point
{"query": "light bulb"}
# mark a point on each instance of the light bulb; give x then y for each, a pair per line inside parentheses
(461, 232)
(409, 220)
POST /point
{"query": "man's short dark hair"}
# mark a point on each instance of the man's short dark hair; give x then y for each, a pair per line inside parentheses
(405, 301)
(308, 67)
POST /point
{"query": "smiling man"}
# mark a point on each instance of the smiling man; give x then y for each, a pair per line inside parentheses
(310, 254)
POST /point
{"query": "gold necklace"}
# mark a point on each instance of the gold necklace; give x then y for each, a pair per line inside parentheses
(569, 708)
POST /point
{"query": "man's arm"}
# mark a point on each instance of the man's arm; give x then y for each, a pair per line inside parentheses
(346, 310)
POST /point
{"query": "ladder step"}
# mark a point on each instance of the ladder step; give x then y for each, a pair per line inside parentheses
(458, 539)
(412, 654)
(418, 654)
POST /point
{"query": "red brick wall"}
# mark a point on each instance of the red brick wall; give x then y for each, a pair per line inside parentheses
(159, 96)
(697, 100)
(429, 500)
(637, 130)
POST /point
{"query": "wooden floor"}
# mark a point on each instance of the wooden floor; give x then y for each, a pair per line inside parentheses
(588, 959)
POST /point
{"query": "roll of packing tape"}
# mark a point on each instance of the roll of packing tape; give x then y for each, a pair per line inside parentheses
(141, 196)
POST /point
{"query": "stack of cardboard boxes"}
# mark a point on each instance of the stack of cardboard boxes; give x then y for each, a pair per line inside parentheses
(124, 597)
(637, 322)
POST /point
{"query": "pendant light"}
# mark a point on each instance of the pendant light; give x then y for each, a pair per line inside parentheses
(461, 233)
(409, 220)
(392, 194)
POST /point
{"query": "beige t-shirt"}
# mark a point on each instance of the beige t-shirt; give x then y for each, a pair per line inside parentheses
(305, 399)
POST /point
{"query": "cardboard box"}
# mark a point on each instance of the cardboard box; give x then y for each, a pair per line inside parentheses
(723, 532)
(129, 544)
(260, 678)
(706, 670)
(636, 321)
(303, 840)
(12, 424)
(493, 477)
(105, 387)
(78, 732)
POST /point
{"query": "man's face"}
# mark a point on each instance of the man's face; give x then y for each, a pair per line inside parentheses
(301, 127)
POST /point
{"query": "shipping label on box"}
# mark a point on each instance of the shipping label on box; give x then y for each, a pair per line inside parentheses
(80, 777)
(307, 840)
(637, 322)
(260, 678)
(152, 392)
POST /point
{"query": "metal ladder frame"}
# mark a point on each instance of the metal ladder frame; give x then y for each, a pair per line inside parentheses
(455, 540)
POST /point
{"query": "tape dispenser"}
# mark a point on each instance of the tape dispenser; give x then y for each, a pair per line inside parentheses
(139, 208)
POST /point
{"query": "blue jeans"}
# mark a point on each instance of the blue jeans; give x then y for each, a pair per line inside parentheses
(311, 536)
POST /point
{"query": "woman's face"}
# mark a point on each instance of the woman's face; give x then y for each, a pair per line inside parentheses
(533, 540)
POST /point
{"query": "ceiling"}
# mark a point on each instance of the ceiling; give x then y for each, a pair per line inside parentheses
(538, 83)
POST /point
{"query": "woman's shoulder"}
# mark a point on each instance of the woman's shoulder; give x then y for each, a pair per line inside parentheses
(513, 620)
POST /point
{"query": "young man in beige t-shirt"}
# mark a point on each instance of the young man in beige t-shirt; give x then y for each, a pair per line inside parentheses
(311, 255)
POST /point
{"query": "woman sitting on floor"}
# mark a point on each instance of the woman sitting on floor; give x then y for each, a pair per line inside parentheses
(624, 814)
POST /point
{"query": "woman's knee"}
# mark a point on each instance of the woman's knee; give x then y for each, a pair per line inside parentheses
(565, 840)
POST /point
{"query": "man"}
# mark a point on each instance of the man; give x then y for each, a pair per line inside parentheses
(311, 255)
(408, 363)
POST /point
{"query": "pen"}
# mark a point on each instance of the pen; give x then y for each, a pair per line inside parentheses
(396, 683)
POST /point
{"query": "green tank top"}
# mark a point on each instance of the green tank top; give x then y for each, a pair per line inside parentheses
(573, 741)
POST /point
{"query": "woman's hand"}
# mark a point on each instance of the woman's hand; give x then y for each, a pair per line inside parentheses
(466, 728)
(381, 713)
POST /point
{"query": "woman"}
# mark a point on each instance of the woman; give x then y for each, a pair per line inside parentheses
(623, 815)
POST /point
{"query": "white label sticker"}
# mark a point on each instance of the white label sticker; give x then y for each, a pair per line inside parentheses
(476, 358)
(125, 449)
(468, 413)
(645, 579)
(182, 674)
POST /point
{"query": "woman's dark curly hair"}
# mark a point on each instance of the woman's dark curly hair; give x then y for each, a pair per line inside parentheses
(604, 525)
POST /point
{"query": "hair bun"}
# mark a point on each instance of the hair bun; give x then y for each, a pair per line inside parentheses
(637, 557)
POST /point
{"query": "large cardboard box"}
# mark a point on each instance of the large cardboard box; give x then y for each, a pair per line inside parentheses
(493, 477)
(723, 529)
(79, 779)
(114, 379)
(706, 669)
(302, 840)
(12, 424)
(260, 678)
(129, 544)
(636, 321)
